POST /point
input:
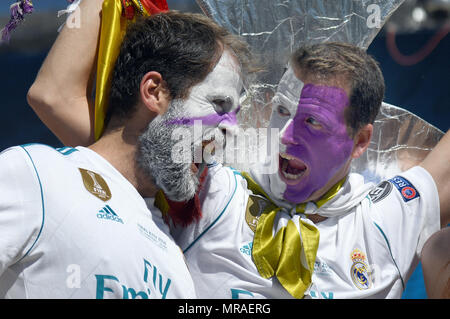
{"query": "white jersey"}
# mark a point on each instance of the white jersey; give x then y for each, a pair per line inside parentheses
(71, 226)
(368, 252)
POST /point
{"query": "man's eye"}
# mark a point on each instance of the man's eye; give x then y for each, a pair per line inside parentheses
(283, 111)
(222, 104)
(313, 122)
(243, 93)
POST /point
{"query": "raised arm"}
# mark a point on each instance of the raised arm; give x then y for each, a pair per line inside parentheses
(437, 163)
(62, 93)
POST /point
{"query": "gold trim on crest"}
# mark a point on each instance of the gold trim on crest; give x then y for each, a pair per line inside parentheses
(255, 207)
(95, 184)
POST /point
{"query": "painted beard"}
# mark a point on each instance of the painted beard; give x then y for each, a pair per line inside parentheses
(154, 157)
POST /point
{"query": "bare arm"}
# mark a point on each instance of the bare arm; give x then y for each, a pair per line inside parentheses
(437, 163)
(436, 264)
(61, 93)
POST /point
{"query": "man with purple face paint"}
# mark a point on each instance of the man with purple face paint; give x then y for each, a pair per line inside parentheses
(316, 141)
(312, 229)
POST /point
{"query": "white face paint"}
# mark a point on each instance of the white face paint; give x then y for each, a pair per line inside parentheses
(215, 101)
(284, 107)
(285, 101)
(219, 92)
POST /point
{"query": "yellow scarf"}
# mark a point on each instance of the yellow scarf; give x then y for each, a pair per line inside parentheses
(286, 251)
(113, 28)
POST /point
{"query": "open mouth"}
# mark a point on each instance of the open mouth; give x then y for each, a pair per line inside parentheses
(291, 168)
(206, 151)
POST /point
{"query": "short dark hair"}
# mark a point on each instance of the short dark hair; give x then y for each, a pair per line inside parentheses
(182, 47)
(358, 67)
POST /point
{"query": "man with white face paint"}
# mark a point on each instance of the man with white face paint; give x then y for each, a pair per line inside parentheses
(213, 104)
(312, 229)
(74, 221)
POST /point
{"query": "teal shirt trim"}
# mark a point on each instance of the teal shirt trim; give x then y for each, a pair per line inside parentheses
(218, 217)
(236, 292)
(390, 252)
(66, 150)
(43, 206)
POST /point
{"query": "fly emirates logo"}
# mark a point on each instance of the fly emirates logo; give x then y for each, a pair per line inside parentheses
(155, 286)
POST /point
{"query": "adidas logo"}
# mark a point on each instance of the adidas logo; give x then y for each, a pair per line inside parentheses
(108, 213)
(247, 249)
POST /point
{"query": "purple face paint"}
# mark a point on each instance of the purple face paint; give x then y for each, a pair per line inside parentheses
(228, 119)
(317, 136)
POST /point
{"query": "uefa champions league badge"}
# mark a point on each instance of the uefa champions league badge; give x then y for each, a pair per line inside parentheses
(360, 272)
(406, 189)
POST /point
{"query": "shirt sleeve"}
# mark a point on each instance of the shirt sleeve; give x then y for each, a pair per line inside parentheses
(21, 206)
(407, 214)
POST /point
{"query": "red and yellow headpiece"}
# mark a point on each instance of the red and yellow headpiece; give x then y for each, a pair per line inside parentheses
(116, 16)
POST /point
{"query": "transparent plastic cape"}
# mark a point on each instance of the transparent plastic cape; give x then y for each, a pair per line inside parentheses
(275, 28)
(400, 141)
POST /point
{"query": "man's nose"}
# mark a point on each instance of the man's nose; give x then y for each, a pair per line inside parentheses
(222, 104)
(287, 134)
(228, 125)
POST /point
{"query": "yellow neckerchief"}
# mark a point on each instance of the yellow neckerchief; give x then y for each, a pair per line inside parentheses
(287, 252)
(113, 28)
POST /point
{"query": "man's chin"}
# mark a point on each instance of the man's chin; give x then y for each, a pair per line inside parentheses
(282, 191)
(185, 212)
(183, 191)
(297, 195)
(177, 180)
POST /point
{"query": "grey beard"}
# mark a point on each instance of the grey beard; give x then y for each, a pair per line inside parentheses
(154, 157)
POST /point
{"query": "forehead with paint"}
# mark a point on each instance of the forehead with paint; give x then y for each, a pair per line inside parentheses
(323, 102)
(217, 95)
(285, 100)
(315, 145)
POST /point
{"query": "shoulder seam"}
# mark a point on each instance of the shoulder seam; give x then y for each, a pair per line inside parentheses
(390, 252)
(42, 202)
(65, 150)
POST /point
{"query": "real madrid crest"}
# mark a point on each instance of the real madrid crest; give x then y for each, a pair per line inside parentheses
(360, 271)
(95, 184)
(255, 207)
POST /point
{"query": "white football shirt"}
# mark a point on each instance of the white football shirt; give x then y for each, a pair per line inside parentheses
(368, 251)
(71, 226)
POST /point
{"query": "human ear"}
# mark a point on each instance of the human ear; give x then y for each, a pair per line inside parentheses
(154, 94)
(362, 140)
